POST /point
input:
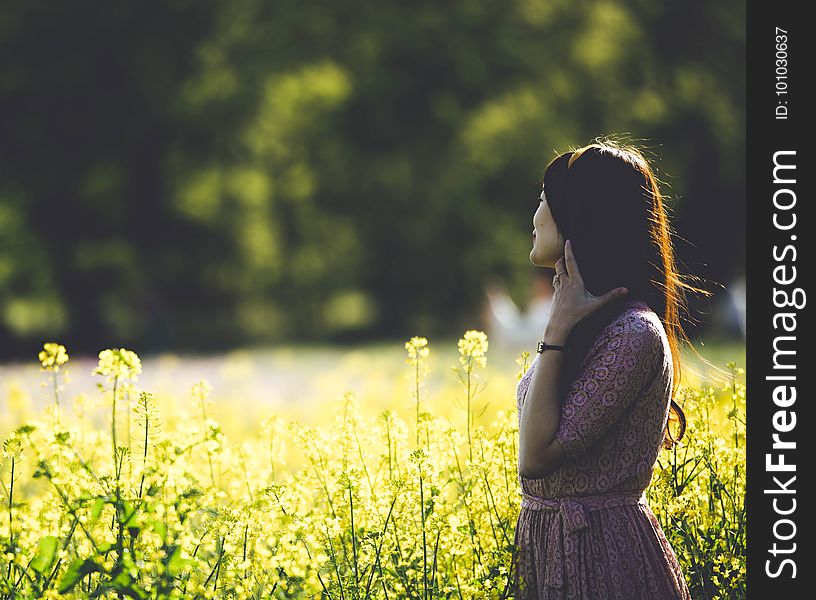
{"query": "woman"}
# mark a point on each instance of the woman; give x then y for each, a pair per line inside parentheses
(595, 410)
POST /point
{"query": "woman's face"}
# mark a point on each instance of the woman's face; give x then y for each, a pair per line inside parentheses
(548, 243)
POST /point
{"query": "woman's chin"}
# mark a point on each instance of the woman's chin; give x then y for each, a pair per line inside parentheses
(542, 262)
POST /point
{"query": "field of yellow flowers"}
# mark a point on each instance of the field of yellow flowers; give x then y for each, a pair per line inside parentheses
(419, 502)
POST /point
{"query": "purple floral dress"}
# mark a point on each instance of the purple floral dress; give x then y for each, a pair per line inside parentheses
(585, 531)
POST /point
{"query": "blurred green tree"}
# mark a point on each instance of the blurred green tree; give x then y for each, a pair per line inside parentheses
(202, 174)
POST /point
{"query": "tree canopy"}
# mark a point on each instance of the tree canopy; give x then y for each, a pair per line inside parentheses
(197, 174)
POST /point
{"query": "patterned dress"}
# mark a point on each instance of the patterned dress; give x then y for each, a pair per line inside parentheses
(585, 531)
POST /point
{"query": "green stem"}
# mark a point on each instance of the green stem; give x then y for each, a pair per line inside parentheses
(56, 390)
(470, 445)
(734, 403)
(144, 456)
(113, 419)
(353, 537)
(464, 488)
(10, 503)
(379, 550)
(333, 556)
(272, 454)
(424, 539)
(388, 438)
(416, 379)
(317, 571)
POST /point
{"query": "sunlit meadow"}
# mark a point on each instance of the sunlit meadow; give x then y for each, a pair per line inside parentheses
(419, 500)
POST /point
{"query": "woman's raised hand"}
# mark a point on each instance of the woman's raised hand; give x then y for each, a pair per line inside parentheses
(571, 300)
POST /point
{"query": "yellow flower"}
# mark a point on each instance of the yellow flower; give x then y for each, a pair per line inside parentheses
(13, 448)
(118, 362)
(201, 390)
(52, 356)
(417, 348)
(473, 348)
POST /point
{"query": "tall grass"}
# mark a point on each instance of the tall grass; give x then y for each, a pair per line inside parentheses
(159, 506)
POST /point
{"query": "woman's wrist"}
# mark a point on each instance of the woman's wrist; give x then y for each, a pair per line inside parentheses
(555, 336)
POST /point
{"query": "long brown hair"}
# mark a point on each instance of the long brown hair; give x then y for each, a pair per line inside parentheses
(605, 198)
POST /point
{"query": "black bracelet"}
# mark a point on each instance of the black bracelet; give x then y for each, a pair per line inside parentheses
(542, 346)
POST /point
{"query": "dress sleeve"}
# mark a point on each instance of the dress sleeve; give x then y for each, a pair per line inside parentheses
(621, 362)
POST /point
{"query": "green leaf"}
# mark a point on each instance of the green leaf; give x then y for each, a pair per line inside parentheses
(128, 590)
(76, 571)
(98, 505)
(176, 563)
(122, 580)
(128, 512)
(46, 553)
(159, 527)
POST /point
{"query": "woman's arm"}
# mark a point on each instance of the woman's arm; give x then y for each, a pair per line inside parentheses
(539, 452)
(622, 361)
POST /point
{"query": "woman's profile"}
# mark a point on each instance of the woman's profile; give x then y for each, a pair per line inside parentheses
(595, 410)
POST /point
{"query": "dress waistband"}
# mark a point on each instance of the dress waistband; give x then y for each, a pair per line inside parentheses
(590, 503)
(562, 543)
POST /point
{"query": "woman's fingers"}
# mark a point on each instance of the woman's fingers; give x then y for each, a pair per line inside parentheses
(610, 296)
(573, 301)
(571, 264)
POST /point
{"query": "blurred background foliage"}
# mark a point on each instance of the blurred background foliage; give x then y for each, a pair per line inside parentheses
(203, 174)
